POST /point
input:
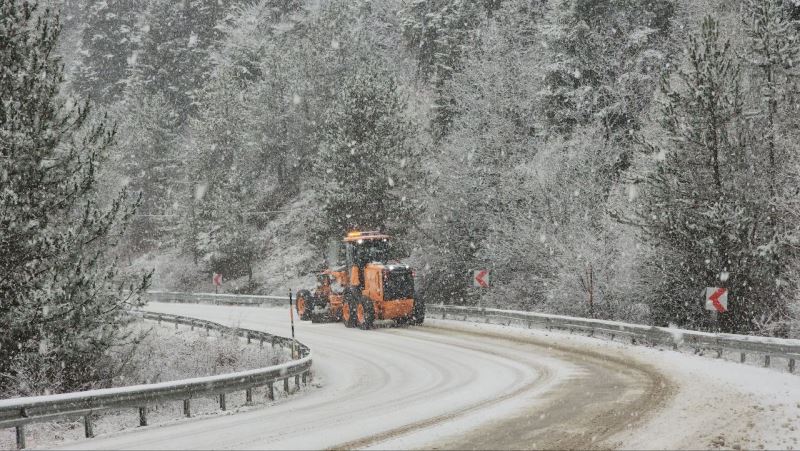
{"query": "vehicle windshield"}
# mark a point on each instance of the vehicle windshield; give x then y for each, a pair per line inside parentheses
(383, 251)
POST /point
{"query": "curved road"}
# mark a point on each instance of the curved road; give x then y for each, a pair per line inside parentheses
(431, 386)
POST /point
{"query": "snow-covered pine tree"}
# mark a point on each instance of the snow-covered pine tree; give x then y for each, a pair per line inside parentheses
(703, 202)
(224, 178)
(147, 161)
(774, 57)
(440, 33)
(175, 45)
(367, 168)
(602, 61)
(62, 302)
(493, 129)
(109, 47)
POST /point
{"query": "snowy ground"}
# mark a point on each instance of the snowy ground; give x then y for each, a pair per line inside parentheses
(462, 385)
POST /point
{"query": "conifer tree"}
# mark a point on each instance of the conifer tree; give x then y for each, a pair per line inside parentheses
(62, 301)
(704, 201)
(109, 48)
(367, 167)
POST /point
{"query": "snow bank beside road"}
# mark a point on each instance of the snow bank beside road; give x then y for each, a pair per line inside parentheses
(718, 404)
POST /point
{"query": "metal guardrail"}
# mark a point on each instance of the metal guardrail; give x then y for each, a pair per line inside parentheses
(17, 412)
(763, 346)
(214, 298)
(636, 333)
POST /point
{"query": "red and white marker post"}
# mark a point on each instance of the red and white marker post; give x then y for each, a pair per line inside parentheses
(216, 279)
(717, 299)
(481, 278)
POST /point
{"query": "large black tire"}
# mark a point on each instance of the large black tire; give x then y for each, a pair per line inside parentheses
(365, 313)
(303, 301)
(318, 304)
(419, 310)
(349, 319)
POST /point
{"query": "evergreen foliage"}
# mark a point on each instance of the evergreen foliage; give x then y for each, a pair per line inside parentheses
(366, 166)
(62, 301)
(708, 197)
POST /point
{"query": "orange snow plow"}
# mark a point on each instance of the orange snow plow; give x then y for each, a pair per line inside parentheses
(368, 288)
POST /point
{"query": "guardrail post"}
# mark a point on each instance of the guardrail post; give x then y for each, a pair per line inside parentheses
(766, 361)
(20, 437)
(305, 378)
(742, 357)
(261, 342)
(88, 427)
(297, 381)
(187, 408)
(286, 385)
(248, 396)
(192, 325)
(222, 401)
(208, 330)
(176, 324)
(159, 319)
(142, 416)
(271, 391)
(248, 337)
(273, 341)
(791, 365)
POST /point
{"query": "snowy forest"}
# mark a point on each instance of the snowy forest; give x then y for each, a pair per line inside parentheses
(608, 159)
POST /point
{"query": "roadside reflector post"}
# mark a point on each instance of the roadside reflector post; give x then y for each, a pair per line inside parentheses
(766, 361)
(142, 416)
(791, 365)
(187, 408)
(271, 391)
(248, 337)
(20, 437)
(222, 404)
(88, 428)
(248, 396)
(291, 320)
(742, 357)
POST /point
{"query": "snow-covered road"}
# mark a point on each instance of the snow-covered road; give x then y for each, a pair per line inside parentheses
(450, 385)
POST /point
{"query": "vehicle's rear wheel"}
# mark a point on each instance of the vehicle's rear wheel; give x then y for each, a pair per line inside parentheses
(304, 304)
(317, 314)
(365, 313)
(349, 312)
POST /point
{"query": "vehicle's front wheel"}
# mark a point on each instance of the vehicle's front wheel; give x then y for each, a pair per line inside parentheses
(418, 315)
(365, 313)
(349, 312)
(317, 307)
(304, 305)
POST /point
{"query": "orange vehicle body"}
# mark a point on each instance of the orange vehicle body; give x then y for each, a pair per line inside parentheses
(368, 288)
